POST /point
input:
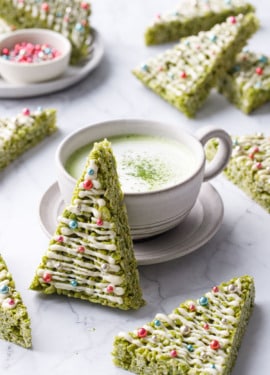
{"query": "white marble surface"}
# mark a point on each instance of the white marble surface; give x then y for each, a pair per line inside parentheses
(71, 336)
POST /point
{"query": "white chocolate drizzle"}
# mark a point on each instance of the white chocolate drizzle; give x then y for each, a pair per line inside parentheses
(8, 300)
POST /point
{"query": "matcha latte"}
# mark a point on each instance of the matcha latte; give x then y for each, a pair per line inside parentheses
(144, 163)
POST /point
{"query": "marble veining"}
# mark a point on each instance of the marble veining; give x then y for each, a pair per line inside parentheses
(72, 336)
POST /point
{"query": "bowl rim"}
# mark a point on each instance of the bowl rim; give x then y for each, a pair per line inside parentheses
(60, 165)
(65, 52)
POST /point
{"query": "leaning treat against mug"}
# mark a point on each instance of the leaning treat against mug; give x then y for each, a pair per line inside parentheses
(199, 337)
(69, 17)
(185, 74)
(25, 130)
(247, 83)
(249, 165)
(191, 17)
(91, 254)
(14, 319)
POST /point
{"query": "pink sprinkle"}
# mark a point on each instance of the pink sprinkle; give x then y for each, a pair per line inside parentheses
(60, 239)
(45, 7)
(85, 5)
(173, 353)
(99, 222)
(110, 289)
(87, 184)
(215, 289)
(259, 71)
(142, 332)
(192, 307)
(259, 165)
(5, 51)
(232, 19)
(206, 326)
(26, 111)
(81, 249)
(11, 302)
(183, 74)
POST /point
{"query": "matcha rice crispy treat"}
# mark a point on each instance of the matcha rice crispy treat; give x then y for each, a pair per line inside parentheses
(25, 130)
(249, 165)
(185, 74)
(91, 255)
(247, 83)
(192, 16)
(199, 337)
(14, 319)
(69, 17)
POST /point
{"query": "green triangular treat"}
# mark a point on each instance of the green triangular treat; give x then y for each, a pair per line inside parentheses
(192, 16)
(199, 337)
(247, 83)
(69, 17)
(185, 74)
(23, 131)
(249, 165)
(91, 254)
(14, 319)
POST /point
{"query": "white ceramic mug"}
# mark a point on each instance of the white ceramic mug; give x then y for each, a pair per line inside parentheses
(157, 211)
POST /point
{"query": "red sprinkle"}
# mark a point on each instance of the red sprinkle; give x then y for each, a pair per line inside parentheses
(99, 222)
(142, 332)
(206, 326)
(214, 345)
(11, 302)
(183, 75)
(110, 289)
(81, 249)
(88, 184)
(45, 7)
(192, 307)
(85, 5)
(173, 353)
(215, 289)
(47, 277)
(60, 239)
(259, 71)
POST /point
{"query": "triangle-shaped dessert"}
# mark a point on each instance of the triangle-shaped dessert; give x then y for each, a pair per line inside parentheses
(247, 83)
(199, 337)
(249, 165)
(91, 254)
(14, 319)
(192, 16)
(69, 17)
(23, 131)
(185, 74)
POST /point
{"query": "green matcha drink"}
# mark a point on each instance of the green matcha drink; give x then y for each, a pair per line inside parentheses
(144, 163)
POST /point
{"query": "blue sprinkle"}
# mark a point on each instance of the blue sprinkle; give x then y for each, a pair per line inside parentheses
(4, 289)
(73, 224)
(213, 365)
(263, 59)
(145, 67)
(5, 57)
(190, 348)
(235, 142)
(47, 50)
(39, 109)
(171, 75)
(203, 301)
(258, 85)
(73, 282)
(157, 323)
(79, 27)
(236, 68)
(213, 38)
(90, 172)
(187, 42)
(228, 2)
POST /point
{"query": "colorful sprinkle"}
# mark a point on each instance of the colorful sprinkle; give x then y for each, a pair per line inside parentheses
(79, 27)
(157, 323)
(232, 19)
(190, 348)
(258, 165)
(73, 282)
(142, 332)
(25, 52)
(26, 112)
(192, 307)
(183, 75)
(263, 59)
(203, 301)
(215, 289)
(73, 224)
(206, 326)
(47, 277)
(11, 302)
(81, 249)
(85, 5)
(213, 38)
(145, 67)
(60, 239)
(45, 7)
(110, 289)
(99, 222)
(214, 344)
(173, 353)
(105, 267)
(90, 172)
(4, 289)
(87, 184)
(259, 71)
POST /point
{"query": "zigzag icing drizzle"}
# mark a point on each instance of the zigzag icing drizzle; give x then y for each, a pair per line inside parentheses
(7, 300)
(69, 268)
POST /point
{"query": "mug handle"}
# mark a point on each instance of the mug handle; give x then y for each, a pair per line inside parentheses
(224, 151)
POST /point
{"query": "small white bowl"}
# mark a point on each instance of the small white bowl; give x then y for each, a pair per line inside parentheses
(23, 73)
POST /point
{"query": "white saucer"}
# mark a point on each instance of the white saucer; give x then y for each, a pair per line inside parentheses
(198, 228)
(71, 76)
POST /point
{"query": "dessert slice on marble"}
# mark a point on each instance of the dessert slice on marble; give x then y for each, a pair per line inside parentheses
(247, 83)
(69, 17)
(199, 337)
(249, 165)
(185, 74)
(14, 319)
(25, 130)
(192, 16)
(91, 255)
